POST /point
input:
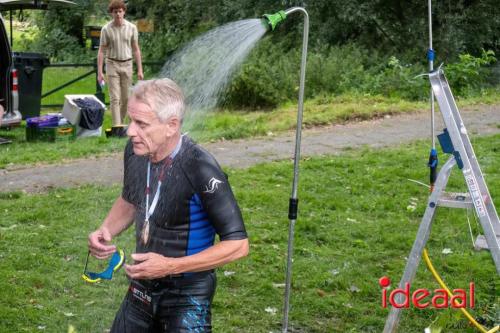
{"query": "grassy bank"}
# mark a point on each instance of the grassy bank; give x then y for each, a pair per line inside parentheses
(227, 125)
(356, 223)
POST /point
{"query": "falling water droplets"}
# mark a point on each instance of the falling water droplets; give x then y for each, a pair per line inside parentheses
(204, 67)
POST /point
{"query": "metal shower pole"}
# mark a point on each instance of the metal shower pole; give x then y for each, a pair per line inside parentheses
(293, 205)
(433, 156)
(430, 57)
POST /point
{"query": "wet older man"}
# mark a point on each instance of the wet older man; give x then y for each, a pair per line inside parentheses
(179, 199)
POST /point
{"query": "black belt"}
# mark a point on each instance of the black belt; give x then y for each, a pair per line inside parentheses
(117, 60)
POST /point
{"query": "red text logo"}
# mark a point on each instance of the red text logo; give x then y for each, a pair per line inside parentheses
(422, 298)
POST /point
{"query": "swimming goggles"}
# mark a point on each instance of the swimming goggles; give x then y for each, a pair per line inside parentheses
(114, 264)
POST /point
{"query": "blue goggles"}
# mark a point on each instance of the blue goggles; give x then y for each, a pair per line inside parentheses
(114, 264)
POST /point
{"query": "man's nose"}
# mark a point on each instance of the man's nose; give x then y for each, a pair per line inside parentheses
(131, 130)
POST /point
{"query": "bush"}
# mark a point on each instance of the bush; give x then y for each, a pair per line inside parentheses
(336, 70)
(397, 79)
(270, 78)
(61, 47)
(469, 73)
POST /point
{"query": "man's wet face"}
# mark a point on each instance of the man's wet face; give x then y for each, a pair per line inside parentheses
(146, 131)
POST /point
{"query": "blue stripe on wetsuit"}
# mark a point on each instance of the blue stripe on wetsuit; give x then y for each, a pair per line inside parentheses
(201, 231)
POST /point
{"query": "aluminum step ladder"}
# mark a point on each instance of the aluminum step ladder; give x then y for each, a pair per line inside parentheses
(456, 142)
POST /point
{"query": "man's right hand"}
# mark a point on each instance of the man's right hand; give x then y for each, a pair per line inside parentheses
(100, 78)
(98, 243)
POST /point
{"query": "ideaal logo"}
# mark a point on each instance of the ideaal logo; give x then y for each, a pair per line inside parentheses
(423, 298)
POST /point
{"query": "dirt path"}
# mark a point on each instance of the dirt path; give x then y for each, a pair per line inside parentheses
(389, 131)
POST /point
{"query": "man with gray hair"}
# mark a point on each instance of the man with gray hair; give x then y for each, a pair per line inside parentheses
(179, 199)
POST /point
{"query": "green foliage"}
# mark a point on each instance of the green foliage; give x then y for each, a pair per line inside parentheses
(267, 79)
(365, 47)
(392, 27)
(270, 78)
(400, 80)
(59, 32)
(337, 70)
(175, 22)
(61, 47)
(388, 26)
(469, 72)
(270, 75)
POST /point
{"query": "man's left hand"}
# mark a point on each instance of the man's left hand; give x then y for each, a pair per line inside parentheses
(150, 266)
(140, 75)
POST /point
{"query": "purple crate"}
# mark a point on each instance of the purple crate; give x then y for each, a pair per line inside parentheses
(43, 121)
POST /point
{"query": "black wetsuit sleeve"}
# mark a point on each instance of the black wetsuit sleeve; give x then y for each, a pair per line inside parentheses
(217, 198)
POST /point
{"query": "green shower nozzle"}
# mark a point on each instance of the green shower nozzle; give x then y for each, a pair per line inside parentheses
(273, 20)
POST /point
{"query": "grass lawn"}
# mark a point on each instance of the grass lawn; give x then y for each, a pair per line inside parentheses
(22, 152)
(354, 226)
(225, 124)
(54, 77)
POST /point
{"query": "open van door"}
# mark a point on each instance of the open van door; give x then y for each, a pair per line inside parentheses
(11, 5)
(5, 66)
(9, 117)
(8, 83)
(9, 97)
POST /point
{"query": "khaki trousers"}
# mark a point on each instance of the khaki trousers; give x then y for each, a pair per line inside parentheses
(119, 76)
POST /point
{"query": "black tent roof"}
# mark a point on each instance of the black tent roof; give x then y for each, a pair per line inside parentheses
(31, 4)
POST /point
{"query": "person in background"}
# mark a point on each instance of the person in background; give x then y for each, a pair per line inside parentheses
(1, 114)
(177, 196)
(118, 45)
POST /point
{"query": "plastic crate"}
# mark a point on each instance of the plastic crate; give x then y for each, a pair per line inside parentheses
(51, 134)
(71, 111)
(43, 121)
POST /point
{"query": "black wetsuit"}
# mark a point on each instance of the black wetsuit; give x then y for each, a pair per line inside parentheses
(195, 203)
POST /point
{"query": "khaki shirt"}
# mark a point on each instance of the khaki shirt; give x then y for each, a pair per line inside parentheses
(118, 40)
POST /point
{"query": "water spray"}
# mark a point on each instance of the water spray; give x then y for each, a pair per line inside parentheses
(273, 21)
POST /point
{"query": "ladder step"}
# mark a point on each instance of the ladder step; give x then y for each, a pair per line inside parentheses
(455, 200)
(481, 244)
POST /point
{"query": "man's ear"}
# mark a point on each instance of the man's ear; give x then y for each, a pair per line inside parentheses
(174, 125)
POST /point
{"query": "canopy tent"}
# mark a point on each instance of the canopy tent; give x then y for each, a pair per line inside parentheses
(31, 4)
(11, 5)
